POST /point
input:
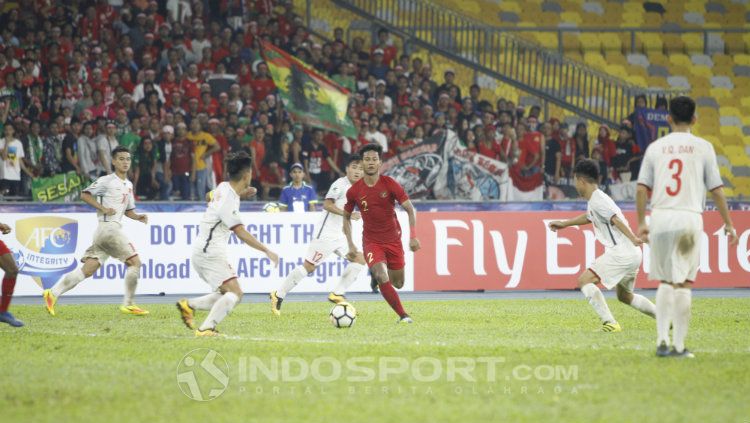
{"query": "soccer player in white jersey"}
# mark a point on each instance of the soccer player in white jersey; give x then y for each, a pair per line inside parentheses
(112, 197)
(618, 266)
(210, 260)
(329, 240)
(677, 170)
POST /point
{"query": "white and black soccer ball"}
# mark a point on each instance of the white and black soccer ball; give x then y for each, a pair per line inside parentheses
(343, 315)
(271, 207)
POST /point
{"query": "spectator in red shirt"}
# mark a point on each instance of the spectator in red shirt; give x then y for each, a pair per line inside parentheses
(606, 144)
(485, 142)
(181, 161)
(262, 85)
(386, 45)
(191, 84)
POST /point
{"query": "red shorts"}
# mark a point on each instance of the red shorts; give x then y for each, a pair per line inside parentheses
(392, 254)
(4, 249)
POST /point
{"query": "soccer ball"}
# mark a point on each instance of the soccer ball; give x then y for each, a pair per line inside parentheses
(271, 208)
(343, 315)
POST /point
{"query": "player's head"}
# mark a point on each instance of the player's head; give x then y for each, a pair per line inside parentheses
(354, 168)
(371, 154)
(121, 159)
(297, 172)
(681, 111)
(586, 174)
(240, 167)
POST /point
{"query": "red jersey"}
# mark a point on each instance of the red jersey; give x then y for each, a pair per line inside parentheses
(377, 205)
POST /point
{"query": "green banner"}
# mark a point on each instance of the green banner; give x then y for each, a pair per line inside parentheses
(64, 187)
(309, 96)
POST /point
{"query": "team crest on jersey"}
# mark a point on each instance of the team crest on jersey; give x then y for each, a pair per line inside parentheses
(47, 247)
(383, 194)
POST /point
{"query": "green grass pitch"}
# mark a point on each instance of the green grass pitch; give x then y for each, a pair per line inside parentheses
(90, 363)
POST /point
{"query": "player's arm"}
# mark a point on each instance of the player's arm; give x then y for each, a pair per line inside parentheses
(625, 229)
(213, 148)
(87, 198)
(135, 216)
(641, 199)
(408, 207)
(5, 229)
(347, 226)
(580, 220)
(721, 203)
(250, 240)
(329, 205)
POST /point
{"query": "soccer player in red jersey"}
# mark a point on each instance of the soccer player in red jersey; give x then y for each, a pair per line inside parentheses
(8, 264)
(375, 197)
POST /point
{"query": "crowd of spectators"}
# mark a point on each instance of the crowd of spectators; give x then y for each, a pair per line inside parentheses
(182, 83)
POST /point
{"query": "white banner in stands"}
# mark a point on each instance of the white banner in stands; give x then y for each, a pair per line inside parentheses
(49, 245)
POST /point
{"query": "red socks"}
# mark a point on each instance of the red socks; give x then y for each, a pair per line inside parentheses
(8, 285)
(390, 295)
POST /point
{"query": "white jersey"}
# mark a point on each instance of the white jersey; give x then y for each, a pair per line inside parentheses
(679, 168)
(221, 216)
(114, 193)
(601, 208)
(330, 226)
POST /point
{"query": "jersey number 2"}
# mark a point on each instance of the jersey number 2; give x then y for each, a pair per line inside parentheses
(676, 167)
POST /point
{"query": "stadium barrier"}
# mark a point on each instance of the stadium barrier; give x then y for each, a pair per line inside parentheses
(465, 246)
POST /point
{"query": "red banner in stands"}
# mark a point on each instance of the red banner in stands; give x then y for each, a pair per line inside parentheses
(516, 251)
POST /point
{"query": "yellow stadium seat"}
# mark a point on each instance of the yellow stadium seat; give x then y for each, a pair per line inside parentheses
(729, 111)
(729, 132)
(742, 59)
(719, 93)
(693, 42)
(611, 41)
(591, 41)
(571, 17)
(680, 59)
(571, 42)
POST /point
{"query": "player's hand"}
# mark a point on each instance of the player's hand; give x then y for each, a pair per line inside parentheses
(352, 254)
(414, 244)
(637, 241)
(356, 216)
(5, 229)
(249, 192)
(728, 230)
(643, 233)
(273, 257)
(143, 218)
(109, 211)
(556, 225)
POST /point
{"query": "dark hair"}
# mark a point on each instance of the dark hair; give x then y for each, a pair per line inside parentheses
(120, 149)
(238, 164)
(354, 158)
(587, 169)
(371, 147)
(682, 109)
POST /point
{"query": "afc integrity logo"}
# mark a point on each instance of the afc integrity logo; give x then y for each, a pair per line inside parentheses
(47, 248)
(203, 374)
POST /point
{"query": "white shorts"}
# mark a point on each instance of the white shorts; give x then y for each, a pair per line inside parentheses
(618, 265)
(320, 248)
(675, 238)
(110, 241)
(213, 269)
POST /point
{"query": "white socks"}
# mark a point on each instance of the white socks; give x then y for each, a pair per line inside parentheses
(131, 282)
(643, 305)
(682, 301)
(347, 278)
(68, 282)
(291, 281)
(665, 300)
(205, 302)
(596, 299)
(219, 311)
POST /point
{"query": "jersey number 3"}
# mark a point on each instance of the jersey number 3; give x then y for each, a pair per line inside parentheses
(676, 167)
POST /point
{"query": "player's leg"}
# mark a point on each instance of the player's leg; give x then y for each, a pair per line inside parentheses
(91, 264)
(231, 295)
(348, 277)
(639, 302)
(132, 273)
(664, 313)
(292, 279)
(8, 265)
(587, 282)
(681, 318)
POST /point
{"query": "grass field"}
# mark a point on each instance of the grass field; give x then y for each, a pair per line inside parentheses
(90, 363)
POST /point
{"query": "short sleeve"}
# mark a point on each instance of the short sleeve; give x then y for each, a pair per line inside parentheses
(711, 175)
(19, 150)
(335, 192)
(98, 187)
(230, 214)
(210, 140)
(397, 190)
(284, 197)
(350, 200)
(312, 195)
(646, 174)
(102, 144)
(131, 201)
(603, 208)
